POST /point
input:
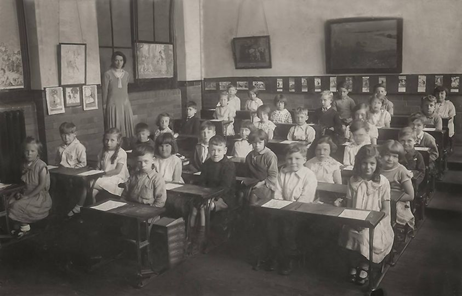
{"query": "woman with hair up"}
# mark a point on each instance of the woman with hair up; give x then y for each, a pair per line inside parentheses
(116, 105)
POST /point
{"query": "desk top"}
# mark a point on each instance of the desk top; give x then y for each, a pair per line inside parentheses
(195, 190)
(325, 210)
(70, 172)
(137, 211)
(12, 188)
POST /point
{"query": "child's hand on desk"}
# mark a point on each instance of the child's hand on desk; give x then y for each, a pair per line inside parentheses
(338, 202)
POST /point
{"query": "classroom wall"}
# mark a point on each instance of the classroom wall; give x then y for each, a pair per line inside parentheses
(296, 27)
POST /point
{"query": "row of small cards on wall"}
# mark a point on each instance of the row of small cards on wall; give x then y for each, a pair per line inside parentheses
(318, 84)
(73, 96)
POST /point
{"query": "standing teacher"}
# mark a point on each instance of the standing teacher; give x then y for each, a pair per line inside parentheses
(116, 106)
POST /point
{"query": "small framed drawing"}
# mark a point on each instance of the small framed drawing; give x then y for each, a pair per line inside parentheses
(252, 52)
(90, 97)
(55, 101)
(72, 63)
(72, 96)
(154, 60)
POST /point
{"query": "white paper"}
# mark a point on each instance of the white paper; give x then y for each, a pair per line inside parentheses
(50, 167)
(197, 173)
(171, 186)
(91, 172)
(276, 204)
(429, 129)
(129, 151)
(348, 168)
(4, 185)
(422, 149)
(287, 142)
(354, 214)
(108, 205)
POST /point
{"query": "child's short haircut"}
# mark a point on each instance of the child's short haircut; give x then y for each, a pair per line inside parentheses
(141, 127)
(368, 151)
(301, 110)
(372, 98)
(328, 94)
(248, 124)
(359, 124)
(392, 147)
(417, 116)
(280, 99)
(439, 89)
(32, 140)
(231, 86)
(67, 128)
(191, 104)
(263, 109)
(258, 135)
(378, 85)
(208, 125)
(161, 115)
(341, 84)
(254, 90)
(166, 138)
(294, 148)
(217, 141)
(407, 132)
(328, 140)
(429, 98)
(223, 93)
(360, 106)
(142, 150)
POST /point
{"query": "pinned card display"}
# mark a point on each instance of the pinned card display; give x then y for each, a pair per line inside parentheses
(280, 84)
(291, 84)
(383, 80)
(242, 85)
(455, 84)
(438, 80)
(304, 83)
(349, 83)
(317, 84)
(224, 85)
(333, 84)
(366, 84)
(260, 85)
(402, 84)
(422, 83)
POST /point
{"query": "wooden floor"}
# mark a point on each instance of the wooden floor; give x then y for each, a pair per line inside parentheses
(432, 265)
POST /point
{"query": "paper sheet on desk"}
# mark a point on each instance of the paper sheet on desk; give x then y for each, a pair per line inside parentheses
(92, 172)
(287, 142)
(429, 129)
(276, 204)
(348, 168)
(354, 214)
(108, 205)
(171, 186)
(4, 185)
(197, 173)
(50, 167)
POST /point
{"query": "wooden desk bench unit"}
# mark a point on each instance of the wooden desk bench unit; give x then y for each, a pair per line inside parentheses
(309, 210)
(7, 192)
(143, 215)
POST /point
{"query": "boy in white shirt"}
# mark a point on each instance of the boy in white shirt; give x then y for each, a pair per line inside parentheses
(301, 131)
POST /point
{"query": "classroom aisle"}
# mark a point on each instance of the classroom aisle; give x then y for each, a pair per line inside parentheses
(432, 265)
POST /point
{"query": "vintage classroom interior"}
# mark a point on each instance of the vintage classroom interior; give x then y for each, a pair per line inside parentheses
(196, 38)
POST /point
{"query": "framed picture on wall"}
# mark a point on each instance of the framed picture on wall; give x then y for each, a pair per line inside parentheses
(90, 97)
(72, 63)
(55, 100)
(252, 52)
(154, 60)
(72, 96)
(364, 45)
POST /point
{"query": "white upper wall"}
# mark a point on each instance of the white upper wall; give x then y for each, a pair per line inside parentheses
(431, 34)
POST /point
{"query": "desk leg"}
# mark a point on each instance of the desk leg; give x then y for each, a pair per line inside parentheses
(371, 253)
(138, 245)
(207, 221)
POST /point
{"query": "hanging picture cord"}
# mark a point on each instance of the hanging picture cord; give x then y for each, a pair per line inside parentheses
(239, 16)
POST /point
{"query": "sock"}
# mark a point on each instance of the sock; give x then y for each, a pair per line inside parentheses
(76, 209)
(25, 228)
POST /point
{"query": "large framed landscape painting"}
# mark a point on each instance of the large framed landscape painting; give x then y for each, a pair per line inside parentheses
(154, 60)
(252, 52)
(364, 45)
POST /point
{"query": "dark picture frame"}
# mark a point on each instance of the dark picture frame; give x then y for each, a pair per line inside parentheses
(252, 52)
(72, 64)
(364, 45)
(154, 60)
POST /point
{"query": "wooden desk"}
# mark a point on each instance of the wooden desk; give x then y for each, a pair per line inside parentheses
(310, 210)
(194, 193)
(6, 194)
(75, 174)
(143, 215)
(395, 195)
